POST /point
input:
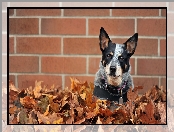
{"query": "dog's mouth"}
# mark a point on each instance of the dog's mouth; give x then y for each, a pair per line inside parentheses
(114, 80)
(114, 75)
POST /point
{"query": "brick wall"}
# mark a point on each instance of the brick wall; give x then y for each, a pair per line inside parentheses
(53, 45)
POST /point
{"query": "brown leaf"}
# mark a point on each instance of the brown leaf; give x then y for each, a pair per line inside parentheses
(12, 110)
(105, 112)
(98, 121)
(90, 115)
(37, 89)
(80, 111)
(80, 121)
(28, 102)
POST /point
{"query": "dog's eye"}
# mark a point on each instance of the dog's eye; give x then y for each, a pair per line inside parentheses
(121, 58)
(109, 55)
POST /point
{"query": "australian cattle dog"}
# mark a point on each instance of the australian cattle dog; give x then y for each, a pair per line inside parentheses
(113, 78)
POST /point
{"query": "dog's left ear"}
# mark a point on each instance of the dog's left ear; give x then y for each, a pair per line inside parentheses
(131, 44)
(104, 39)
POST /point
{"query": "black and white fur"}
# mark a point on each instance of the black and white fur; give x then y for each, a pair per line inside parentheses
(114, 69)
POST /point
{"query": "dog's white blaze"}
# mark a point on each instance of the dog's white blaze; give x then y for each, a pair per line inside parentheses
(115, 81)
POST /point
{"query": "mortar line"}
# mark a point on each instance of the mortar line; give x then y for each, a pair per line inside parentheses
(74, 74)
(110, 12)
(40, 64)
(62, 12)
(159, 81)
(158, 47)
(159, 12)
(90, 36)
(94, 17)
(61, 46)
(15, 44)
(63, 81)
(84, 56)
(14, 13)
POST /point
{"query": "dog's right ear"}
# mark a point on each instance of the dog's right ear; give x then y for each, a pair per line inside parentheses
(104, 39)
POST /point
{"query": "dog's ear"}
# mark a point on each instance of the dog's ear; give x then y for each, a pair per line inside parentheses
(131, 44)
(104, 39)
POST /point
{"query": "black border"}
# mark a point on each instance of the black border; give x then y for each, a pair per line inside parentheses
(76, 8)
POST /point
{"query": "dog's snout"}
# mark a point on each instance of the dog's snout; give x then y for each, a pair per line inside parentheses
(113, 69)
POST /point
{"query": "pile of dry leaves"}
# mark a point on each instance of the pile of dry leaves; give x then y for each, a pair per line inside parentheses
(76, 105)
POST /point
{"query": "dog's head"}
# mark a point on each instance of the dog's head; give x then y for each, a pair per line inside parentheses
(115, 57)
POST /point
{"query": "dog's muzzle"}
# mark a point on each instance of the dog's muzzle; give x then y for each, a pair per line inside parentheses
(112, 70)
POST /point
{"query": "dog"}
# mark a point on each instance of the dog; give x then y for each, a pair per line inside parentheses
(113, 78)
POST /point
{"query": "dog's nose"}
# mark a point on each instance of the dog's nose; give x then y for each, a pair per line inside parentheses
(113, 69)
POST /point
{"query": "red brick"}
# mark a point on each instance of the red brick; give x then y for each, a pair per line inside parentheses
(23, 25)
(63, 26)
(151, 27)
(170, 20)
(38, 45)
(170, 64)
(147, 47)
(112, 26)
(86, 12)
(132, 63)
(170, 46)
(163, 47)
(38, 12)
(12, 78)
(94, 65)
(4, 43)
(25, 81)
(11, 45)
(163, 83)
(4, 64)
(89, 79)
(135, 12)
(81, 46)
(11, 12)
(146, 82)
(151, 66)
(23, 64)
(64, 65)
(119, 40)
(163, 12)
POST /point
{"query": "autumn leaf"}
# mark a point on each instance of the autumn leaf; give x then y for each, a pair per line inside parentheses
(37, 89)
(28, 102)
(77, 105)
(12, 110)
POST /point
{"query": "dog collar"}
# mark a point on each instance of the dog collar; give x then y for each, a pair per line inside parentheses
(110, 92)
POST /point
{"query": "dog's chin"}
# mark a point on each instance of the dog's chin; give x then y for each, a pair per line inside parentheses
(114, 81)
